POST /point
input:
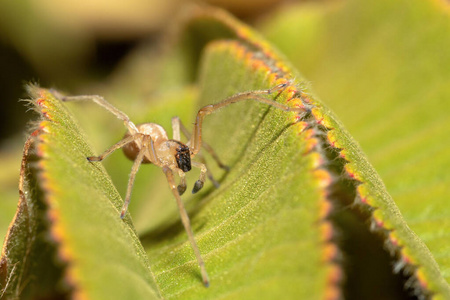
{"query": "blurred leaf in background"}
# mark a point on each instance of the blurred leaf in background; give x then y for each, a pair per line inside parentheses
(75, 44)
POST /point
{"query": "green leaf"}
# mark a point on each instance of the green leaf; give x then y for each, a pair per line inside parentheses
(73, 202)
(383, 67)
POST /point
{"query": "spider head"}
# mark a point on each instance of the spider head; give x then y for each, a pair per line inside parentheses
(183, 157)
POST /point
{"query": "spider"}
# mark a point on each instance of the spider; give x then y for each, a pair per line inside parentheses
(148, 143)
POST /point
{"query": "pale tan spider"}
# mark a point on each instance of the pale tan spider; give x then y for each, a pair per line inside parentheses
(149, 143)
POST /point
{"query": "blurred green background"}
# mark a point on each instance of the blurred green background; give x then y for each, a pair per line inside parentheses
(71, 44)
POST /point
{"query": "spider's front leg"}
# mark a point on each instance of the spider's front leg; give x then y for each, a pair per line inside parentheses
(196, 138)
(186, 223)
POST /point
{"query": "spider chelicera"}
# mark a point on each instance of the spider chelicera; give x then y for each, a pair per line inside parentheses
(149, 143)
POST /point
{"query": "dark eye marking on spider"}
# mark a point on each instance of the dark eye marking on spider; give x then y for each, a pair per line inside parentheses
(149, 143)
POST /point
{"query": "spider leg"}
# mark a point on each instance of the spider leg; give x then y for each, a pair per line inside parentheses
(196, 138)
(102, 102)
(215, 157)
(177, 124)
(186, 223)
(134, 170)
(114, 147)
